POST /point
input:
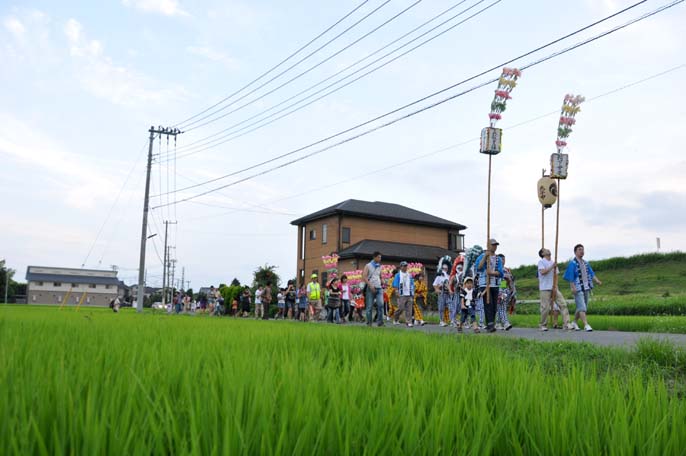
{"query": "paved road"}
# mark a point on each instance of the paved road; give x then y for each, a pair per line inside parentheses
(605, 338)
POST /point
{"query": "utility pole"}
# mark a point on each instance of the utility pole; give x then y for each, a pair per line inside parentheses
(144, 228)
(165, 274)
(173, 269)
(183, 276)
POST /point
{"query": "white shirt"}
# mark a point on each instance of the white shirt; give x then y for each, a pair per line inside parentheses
(440, 279)
(258, 296)
(281, 299)
(405, 289)
(545, 281)
(345, 291)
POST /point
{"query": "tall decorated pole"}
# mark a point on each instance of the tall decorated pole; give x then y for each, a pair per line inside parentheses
(491, 137)
(559, 161)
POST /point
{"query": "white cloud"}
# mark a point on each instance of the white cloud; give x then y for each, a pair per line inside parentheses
(14, 26)
(212, 54)
(81, 184)
(103, 78)
(165, 7)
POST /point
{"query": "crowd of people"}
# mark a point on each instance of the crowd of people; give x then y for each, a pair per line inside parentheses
(477, 295)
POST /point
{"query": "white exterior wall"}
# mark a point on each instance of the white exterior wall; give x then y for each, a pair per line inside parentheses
(47, 293)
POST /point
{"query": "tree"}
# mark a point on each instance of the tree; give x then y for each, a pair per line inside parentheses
(14, 288)
(266, 274)
(235, 282)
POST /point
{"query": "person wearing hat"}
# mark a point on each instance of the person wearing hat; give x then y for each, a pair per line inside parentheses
(314, 296)
(467, 305)
(490, 270)
(403, 284)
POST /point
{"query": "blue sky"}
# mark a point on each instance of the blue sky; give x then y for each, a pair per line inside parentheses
(82, 82)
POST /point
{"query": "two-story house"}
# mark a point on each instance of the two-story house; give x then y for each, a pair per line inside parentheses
(356, 229)
(49, 285)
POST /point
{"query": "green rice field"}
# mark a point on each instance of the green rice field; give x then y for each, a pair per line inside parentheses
(95, 382)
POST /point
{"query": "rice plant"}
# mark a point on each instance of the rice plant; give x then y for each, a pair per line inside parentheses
(95, 382)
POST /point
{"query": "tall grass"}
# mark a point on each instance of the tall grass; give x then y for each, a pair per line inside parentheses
(95, 382)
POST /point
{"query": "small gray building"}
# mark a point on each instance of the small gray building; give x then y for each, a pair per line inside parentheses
(52, 285)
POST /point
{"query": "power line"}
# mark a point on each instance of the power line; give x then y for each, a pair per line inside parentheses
(233, 134)
(185, 127)
(275, 66)
(454, 146)
(116, 200)
(433, 105)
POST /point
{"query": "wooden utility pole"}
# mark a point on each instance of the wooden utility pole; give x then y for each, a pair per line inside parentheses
(144, 228)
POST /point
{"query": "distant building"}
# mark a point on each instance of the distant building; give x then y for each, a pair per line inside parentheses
(48, 285)
(355, 229)
(149, 291)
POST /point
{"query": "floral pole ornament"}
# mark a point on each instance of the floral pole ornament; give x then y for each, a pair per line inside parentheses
(559, 161)
(491, 137)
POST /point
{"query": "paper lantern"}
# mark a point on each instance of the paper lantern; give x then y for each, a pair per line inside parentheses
(558, 165)
(547, 191)
(491, 140)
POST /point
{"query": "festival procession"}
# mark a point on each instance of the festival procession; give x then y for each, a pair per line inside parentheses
(474, 291)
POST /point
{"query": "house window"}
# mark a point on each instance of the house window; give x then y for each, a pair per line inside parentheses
(302, 276)
(57, 284)
(455, 241)
(302, 243)
(108, 286)
(74, 285)
(325, 232)
(345, 235)
(92, 285)
(313, 235)
(40, 284)
(325, 277)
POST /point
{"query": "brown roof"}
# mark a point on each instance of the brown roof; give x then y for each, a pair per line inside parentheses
(396, 251)
(380, 211)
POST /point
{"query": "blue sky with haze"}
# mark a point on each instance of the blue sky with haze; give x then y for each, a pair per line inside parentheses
(82, 82)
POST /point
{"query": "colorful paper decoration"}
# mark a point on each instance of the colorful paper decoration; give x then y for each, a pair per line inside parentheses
(330, 262)
(559, 161)
(547, 191)
(354, 277)
(491, 137)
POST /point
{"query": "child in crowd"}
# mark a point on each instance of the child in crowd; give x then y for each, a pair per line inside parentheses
(291, 297)
(302, 303)
(360, 306)
(245, 302)
(281, 303)
(467, 298)
(346, 295)
(333, 302)
(234, 307)
(420, 296)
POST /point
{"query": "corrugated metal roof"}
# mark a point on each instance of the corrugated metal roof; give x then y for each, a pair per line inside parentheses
(382, 211)
(63, 278)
